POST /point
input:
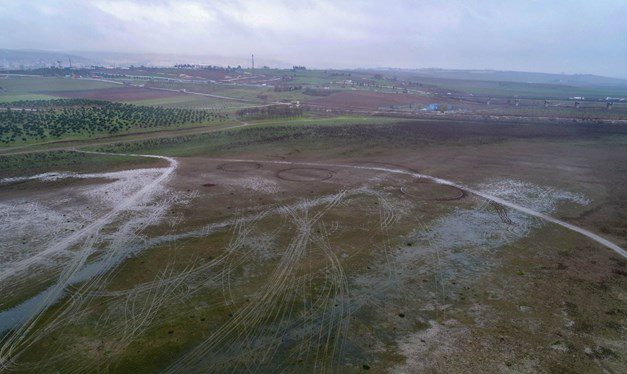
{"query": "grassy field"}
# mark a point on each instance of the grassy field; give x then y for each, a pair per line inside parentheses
(320, 243)
(36, 88)
(303, 131)
(260, 269)
(527, 90)
(10, 98)
(12, 84)
(195, 102)
(44, 162)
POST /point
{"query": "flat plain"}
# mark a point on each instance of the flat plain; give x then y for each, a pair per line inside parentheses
(328, 241)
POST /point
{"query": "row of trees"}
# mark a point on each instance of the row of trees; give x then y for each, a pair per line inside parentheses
(55, 103)
(270, 111)
(287, 87)
(89, 118)
(209, 67)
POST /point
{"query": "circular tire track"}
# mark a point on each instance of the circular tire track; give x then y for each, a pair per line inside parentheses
(239, 166)
(430, 191)
(305, 174)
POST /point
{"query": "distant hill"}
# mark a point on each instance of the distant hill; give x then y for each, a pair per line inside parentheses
(31, 59)
(11, 59)
(15, 59)
(517, 76)
(168, 59)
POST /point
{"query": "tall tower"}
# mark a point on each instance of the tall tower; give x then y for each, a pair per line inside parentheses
(252, 58)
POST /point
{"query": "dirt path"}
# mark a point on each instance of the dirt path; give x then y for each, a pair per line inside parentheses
(580, 230)
(97, 224)
(87, 236)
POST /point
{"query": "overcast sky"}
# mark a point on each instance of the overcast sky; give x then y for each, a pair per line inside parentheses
(572, 36)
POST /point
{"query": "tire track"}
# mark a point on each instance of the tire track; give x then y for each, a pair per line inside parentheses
(16, 341)
(599, 239)
(246, 325)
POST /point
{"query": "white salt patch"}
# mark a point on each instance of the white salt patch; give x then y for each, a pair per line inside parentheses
(53, 176)
(539, 198)
(27, 227)
(424, 349)
(259, 184)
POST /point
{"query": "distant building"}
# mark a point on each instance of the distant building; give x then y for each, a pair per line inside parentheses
(433, 107)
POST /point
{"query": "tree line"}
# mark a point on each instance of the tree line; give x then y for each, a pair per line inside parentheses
(270, 111)
(50, 119)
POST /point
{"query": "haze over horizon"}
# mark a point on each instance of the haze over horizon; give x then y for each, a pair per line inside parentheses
(575, 37)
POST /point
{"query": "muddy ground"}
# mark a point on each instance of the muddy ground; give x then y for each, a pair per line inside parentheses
(300, 251)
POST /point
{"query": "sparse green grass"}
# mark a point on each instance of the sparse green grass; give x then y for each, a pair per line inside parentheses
(8, 98)
(587, 113)
(238, 138)
(246, 93)
(330, 121)
(321, 133)
(287, 95)
(239, 92)
(21, 85)
(194, 102)
(43, 162)
(531, 90)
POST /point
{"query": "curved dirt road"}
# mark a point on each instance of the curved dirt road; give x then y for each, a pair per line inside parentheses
(580, 230)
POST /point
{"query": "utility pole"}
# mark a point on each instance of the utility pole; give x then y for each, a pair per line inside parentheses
(252, 57)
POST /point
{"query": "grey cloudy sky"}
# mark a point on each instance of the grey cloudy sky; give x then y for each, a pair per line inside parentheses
(571, 36)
